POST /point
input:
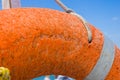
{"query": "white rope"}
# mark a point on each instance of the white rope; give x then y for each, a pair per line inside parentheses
(80, 17)
(85, 25)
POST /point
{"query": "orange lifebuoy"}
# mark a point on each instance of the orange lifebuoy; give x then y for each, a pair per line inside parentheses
(35, 42)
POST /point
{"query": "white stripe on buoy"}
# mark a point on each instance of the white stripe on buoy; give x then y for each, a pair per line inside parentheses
(104, 63)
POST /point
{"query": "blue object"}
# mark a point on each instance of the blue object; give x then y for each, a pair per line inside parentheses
(42, 78)
(60, 77)
(52, 77)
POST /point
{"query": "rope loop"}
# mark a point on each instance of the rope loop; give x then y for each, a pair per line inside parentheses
(85, 23)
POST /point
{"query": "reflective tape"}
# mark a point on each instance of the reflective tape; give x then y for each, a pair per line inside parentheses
(104, 63)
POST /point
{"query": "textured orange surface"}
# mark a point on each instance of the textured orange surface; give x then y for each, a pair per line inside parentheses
(35, 42)
(114, 73)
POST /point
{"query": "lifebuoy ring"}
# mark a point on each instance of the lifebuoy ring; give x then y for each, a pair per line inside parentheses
(35, 42)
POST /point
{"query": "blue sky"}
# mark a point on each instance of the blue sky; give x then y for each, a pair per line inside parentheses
(104, 14)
